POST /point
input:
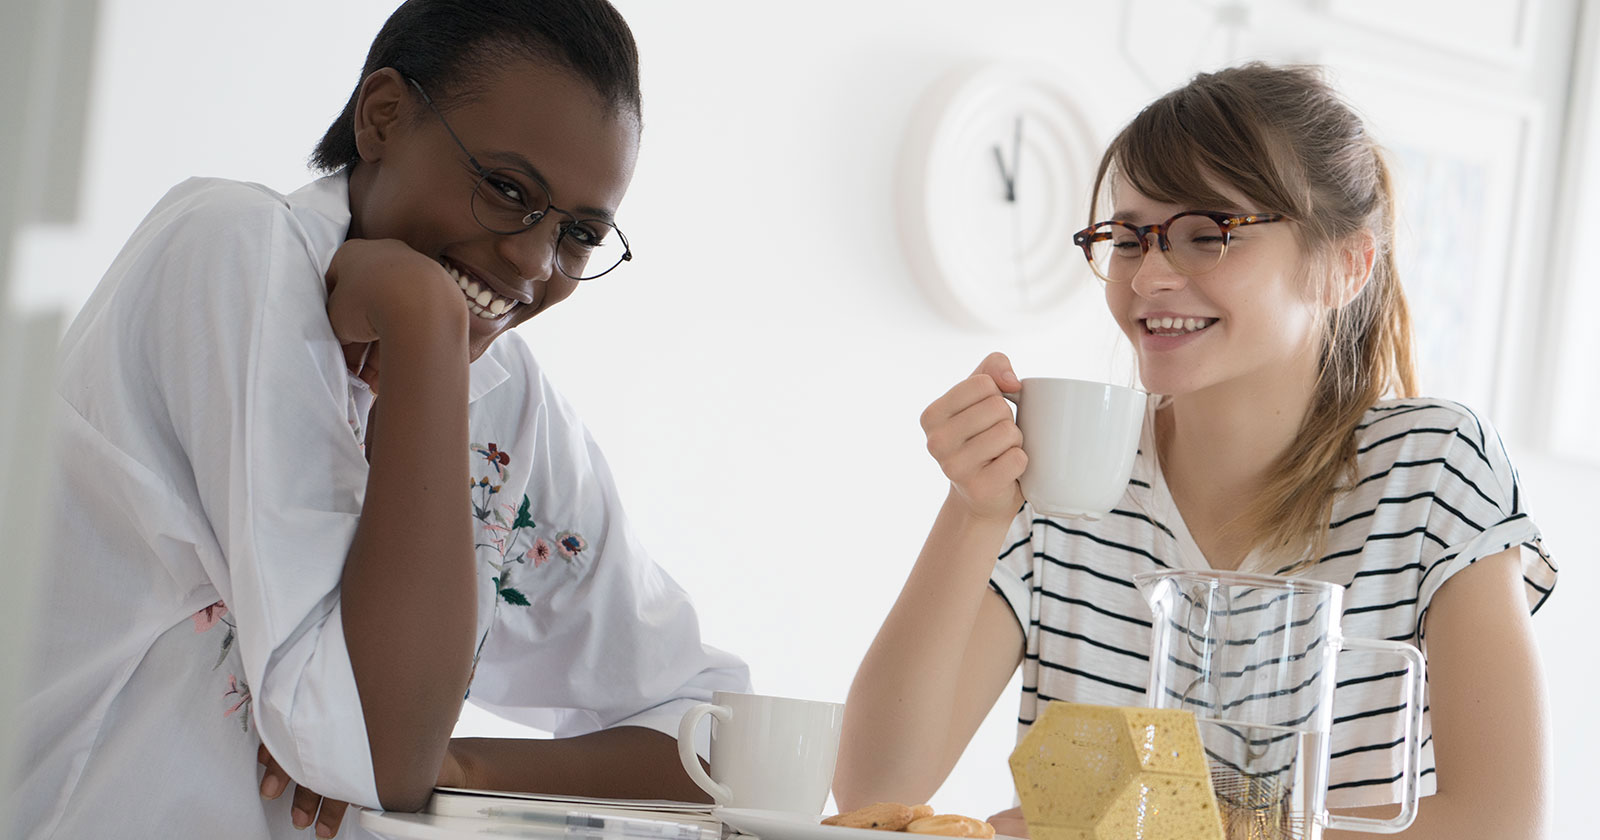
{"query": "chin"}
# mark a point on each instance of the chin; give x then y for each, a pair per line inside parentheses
(480, 344)
(1168, 383)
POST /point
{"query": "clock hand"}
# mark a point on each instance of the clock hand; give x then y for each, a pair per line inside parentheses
(1009, 175)
(1016, 155)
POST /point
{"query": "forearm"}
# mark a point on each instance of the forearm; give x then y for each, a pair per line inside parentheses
(903, 700)
(1444, 817)
(627, 762)
(408, 591)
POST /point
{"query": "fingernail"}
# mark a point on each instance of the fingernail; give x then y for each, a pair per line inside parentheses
(324, 830)
(300, 818)
(271, 786)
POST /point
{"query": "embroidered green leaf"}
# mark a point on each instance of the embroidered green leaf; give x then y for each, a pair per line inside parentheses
(227, 645)
(513, 596)
(496, 583)
(524, 519)
(501, 519)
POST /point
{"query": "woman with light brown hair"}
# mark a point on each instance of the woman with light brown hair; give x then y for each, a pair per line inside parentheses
(1247, 253)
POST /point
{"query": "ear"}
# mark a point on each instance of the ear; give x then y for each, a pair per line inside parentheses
(1353, 260)
(379, 107)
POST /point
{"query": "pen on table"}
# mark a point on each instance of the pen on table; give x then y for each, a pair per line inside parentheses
(579, 825)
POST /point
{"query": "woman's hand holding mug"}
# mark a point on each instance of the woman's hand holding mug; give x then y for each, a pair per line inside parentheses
(975, 439)
(1069, 450)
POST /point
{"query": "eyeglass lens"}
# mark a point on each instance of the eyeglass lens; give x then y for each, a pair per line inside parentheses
(1195, 245)
(507, 202)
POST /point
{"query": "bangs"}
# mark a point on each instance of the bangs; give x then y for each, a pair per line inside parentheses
(1167, 169)
(1181, 148)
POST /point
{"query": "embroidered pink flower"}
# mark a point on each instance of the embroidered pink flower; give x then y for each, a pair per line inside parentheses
(241, 689)
(207, 618)
(540, 553)
(570, 544)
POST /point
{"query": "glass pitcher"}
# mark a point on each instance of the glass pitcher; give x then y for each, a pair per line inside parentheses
(1253, 657)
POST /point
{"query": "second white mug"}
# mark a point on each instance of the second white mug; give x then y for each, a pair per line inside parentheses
(1081, 439)
(771, 753)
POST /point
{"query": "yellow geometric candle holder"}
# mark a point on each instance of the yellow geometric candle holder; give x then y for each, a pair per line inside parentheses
(1115, 773)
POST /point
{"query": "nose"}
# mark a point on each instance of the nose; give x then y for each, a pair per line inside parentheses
(532, 253)
(1156, 274)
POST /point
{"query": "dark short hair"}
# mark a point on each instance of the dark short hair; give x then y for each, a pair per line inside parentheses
(449, 46)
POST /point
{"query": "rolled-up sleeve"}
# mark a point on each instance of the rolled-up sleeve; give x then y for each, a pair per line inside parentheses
(1477, 510)
(1013, 567)
(247, 370)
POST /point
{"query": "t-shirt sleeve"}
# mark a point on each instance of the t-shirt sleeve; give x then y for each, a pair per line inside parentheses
(1013, 569)
(1477, 512)
(597, 635)
(225, 347)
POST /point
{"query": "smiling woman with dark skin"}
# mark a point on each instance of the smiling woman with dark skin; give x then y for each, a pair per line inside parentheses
(328, 586)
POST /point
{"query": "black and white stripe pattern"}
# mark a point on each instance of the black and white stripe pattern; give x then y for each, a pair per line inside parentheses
(1436, 493)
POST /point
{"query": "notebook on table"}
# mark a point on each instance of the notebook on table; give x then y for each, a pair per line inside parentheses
(582, 816)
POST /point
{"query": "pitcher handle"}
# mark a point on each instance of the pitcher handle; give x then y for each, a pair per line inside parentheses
(691, 762)
(1415, 684)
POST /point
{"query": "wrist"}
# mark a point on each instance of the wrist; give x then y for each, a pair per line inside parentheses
(457, 770)
(962, 514)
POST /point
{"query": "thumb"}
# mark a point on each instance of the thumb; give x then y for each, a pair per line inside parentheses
(998, 367)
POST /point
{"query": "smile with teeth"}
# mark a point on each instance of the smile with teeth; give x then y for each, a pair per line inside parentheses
(481, 301)
(1176, 326)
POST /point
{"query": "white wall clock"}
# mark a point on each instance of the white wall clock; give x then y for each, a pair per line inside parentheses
(993, 181)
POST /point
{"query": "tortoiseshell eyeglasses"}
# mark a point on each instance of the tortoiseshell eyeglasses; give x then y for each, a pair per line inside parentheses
(1193, 241)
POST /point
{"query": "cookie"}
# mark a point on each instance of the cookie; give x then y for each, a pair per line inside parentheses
(920, 811)
(883, 816)
(951, 825)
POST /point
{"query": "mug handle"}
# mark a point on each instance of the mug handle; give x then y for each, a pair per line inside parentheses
(1410, 772)
(686, 754)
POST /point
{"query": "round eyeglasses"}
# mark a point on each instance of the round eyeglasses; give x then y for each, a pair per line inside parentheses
(1193, 242)
(510, 201)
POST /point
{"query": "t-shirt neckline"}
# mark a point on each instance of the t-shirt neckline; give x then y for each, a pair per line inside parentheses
(1163, 507)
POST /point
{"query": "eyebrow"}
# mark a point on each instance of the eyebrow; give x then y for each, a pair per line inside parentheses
(527, 167)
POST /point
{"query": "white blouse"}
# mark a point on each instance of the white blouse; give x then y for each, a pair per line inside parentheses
(209, 477)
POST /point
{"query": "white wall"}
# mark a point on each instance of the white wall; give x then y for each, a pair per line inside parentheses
(756, 374)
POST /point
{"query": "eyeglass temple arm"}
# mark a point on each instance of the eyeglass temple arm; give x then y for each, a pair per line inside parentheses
(428, 100)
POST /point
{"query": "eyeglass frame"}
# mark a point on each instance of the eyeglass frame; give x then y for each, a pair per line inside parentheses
(534, 217)
(1228, 222)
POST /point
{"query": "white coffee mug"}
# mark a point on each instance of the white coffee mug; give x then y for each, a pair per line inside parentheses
(1081, 439)
(772, 753)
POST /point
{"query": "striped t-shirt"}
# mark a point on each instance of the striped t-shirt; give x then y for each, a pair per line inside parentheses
(1436, 492)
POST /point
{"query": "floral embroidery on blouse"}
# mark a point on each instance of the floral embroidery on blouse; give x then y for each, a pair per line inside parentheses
(237, 687)
(205, 619)
(506, 534)
(496, 458)
(208, 617)
(570, 544)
